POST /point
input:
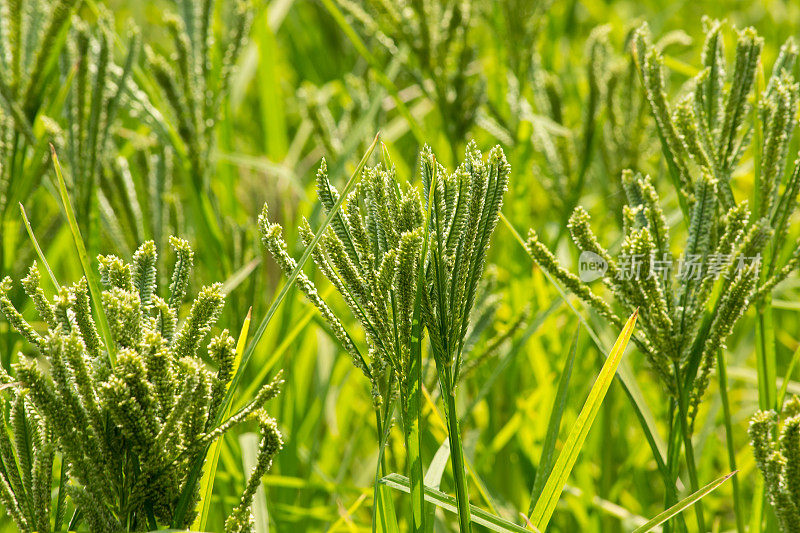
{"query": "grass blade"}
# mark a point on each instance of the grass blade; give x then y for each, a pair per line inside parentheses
(61, 498)
(546, 504)
(384, 518)
(683, 504)
(183, 505)
(448, 503)
(238, 277)
(207, 481)
(549, 446)
(262, 327)
(94, 288)
(433, 479)
(625, 375)
(36, 246)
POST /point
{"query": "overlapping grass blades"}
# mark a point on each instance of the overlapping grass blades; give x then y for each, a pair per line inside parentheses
(546, 503)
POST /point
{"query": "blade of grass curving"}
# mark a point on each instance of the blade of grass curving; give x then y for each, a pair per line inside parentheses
(183, 504)
(94, 288)
(549, 446)
(546, 504)
(77, 516)
(207, 481)
(626, 377)
(240, 275)
(683, 504)
(36, 246)
(287, 341)
(448, 503)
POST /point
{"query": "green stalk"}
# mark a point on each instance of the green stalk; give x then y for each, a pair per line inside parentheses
(383, 435)
(722, 374)
(411, 434)
(765, 355)
(456, 449)
(691, 465)
(412, 411)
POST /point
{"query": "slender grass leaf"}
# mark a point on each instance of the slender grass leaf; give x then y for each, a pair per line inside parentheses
(448, 503)
(385, 514)
(61, 498)
(683, 504)
(433, 479)
(38, 249)
(549, 446)
(207, 481)
(94, 288)
(546, 504)
(240, 275)
(183, 504)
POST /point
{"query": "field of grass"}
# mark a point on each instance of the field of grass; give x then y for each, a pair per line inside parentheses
(186, 117)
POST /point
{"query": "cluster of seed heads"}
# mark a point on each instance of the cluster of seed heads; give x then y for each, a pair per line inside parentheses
(372, 251)
(776, 446)
(686, 319)
(129, 420)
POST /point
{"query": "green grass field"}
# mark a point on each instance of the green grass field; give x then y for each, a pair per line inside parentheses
(186, 117)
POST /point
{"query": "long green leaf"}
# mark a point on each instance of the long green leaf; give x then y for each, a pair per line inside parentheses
(384, 518)
(433, 479)
(94, 288)
(183, 504)
(207, 481)
(37, 247)
(625, 375)
(549, 446)
(683, 504)
(546, 504)
(448, 503)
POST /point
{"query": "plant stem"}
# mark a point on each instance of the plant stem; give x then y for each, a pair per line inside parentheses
(722, 374)
(382, 466)
(456, 450)
(411, 412)
(765, 355)
(691, 466)
(673, 461)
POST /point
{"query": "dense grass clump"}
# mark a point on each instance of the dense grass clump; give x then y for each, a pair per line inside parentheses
(128, 418)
